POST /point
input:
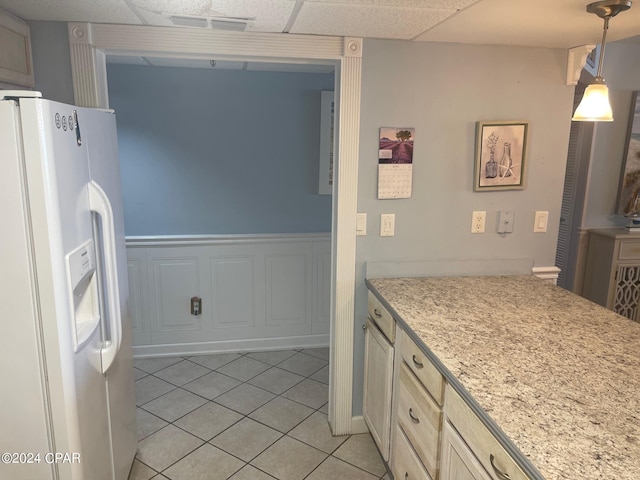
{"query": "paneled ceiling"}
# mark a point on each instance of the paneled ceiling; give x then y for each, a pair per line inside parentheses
(545, 23)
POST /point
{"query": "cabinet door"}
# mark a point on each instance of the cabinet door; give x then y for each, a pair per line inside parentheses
(458, 462)
(378, 377)
(626, 294)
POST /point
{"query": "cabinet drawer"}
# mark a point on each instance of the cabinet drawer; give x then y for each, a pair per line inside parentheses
(482, 443)
(382, 318)
(629, 250)
(405, 464)
(420, 418)
(422, 367)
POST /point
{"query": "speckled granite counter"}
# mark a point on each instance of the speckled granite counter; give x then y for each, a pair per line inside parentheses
(559, 375)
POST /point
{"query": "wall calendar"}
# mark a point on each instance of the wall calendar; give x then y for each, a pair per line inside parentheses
(395, 162)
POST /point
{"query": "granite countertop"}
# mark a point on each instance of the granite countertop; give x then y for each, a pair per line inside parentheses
(558, 374)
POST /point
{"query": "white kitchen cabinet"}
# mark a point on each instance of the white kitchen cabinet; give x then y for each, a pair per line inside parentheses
(481, 443)
(417, 411)
(405, 464)
(378, 381)
(458, 462)
(435, 434)
(16, 66)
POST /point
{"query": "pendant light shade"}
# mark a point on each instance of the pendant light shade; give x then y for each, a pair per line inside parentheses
(595, 106)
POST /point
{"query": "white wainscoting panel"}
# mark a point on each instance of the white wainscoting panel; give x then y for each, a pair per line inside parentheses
(321, 321)
(233, 291)
(258, 292)
(287, 289)
(175, 282)
(138, 296)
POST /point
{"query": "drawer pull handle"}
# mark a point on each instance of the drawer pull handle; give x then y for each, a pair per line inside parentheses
(413, 418)
(377, 313)
(501, 475)
(417, 363)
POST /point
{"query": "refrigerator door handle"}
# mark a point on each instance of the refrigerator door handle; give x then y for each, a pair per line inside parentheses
(99, 203)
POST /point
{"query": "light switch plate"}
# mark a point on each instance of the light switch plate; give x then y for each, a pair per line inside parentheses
(361, 224)
(540, 222)
(387, 224)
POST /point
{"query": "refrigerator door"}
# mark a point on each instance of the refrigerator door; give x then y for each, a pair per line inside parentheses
(24, 412)
(99, 130)
(57, 178)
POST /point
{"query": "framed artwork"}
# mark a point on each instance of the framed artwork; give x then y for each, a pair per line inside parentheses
(501, 149)
(592, 61)
(325, 174)
(629, 190)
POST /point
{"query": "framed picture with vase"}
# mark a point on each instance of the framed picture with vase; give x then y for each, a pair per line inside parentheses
(500, 161)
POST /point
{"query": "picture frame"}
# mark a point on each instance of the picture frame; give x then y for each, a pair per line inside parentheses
(325, 172)
(629, 187)
(592, 61)
(500, 156)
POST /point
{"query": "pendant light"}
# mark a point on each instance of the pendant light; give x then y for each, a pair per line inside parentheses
(595, 106)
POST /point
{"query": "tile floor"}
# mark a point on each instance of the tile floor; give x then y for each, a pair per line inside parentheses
(250, 416)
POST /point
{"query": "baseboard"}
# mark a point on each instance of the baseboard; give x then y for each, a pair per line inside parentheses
(228, 346)
(358, 425)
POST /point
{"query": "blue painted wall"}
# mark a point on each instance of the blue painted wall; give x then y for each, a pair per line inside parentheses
(219, 151)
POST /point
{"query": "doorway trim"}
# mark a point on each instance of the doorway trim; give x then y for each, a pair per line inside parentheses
(91, 43)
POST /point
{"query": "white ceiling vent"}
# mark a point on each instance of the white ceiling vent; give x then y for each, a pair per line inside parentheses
(238, 24)
(184, 21)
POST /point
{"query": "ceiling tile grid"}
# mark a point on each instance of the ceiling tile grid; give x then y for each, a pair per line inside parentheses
(102, 11)
(362, 20)
(540, 23)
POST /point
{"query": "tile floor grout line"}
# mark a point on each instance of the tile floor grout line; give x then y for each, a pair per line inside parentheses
(281, 435)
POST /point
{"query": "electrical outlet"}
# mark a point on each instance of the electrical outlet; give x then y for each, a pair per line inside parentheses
(477, 222)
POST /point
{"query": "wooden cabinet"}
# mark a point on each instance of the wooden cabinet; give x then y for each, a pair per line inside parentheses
(458, 462)
(435, 434)
(480, 441)
(16, 68)
(378, 375)
(612, 271)
(418, 409)
(405, 463)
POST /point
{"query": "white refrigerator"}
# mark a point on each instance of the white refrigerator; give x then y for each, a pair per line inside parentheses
(67, 403)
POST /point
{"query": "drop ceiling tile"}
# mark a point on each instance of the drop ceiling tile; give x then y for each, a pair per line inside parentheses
(366, 20)
(270, 15)
(108, 11)
(448, 4)
(181, 7)
(267, 15)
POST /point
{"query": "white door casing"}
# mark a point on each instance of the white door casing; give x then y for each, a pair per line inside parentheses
(89, 45)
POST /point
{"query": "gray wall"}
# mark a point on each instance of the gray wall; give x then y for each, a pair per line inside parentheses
(52, 60)
(443, 90)
(622, 74)
(206, 151)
